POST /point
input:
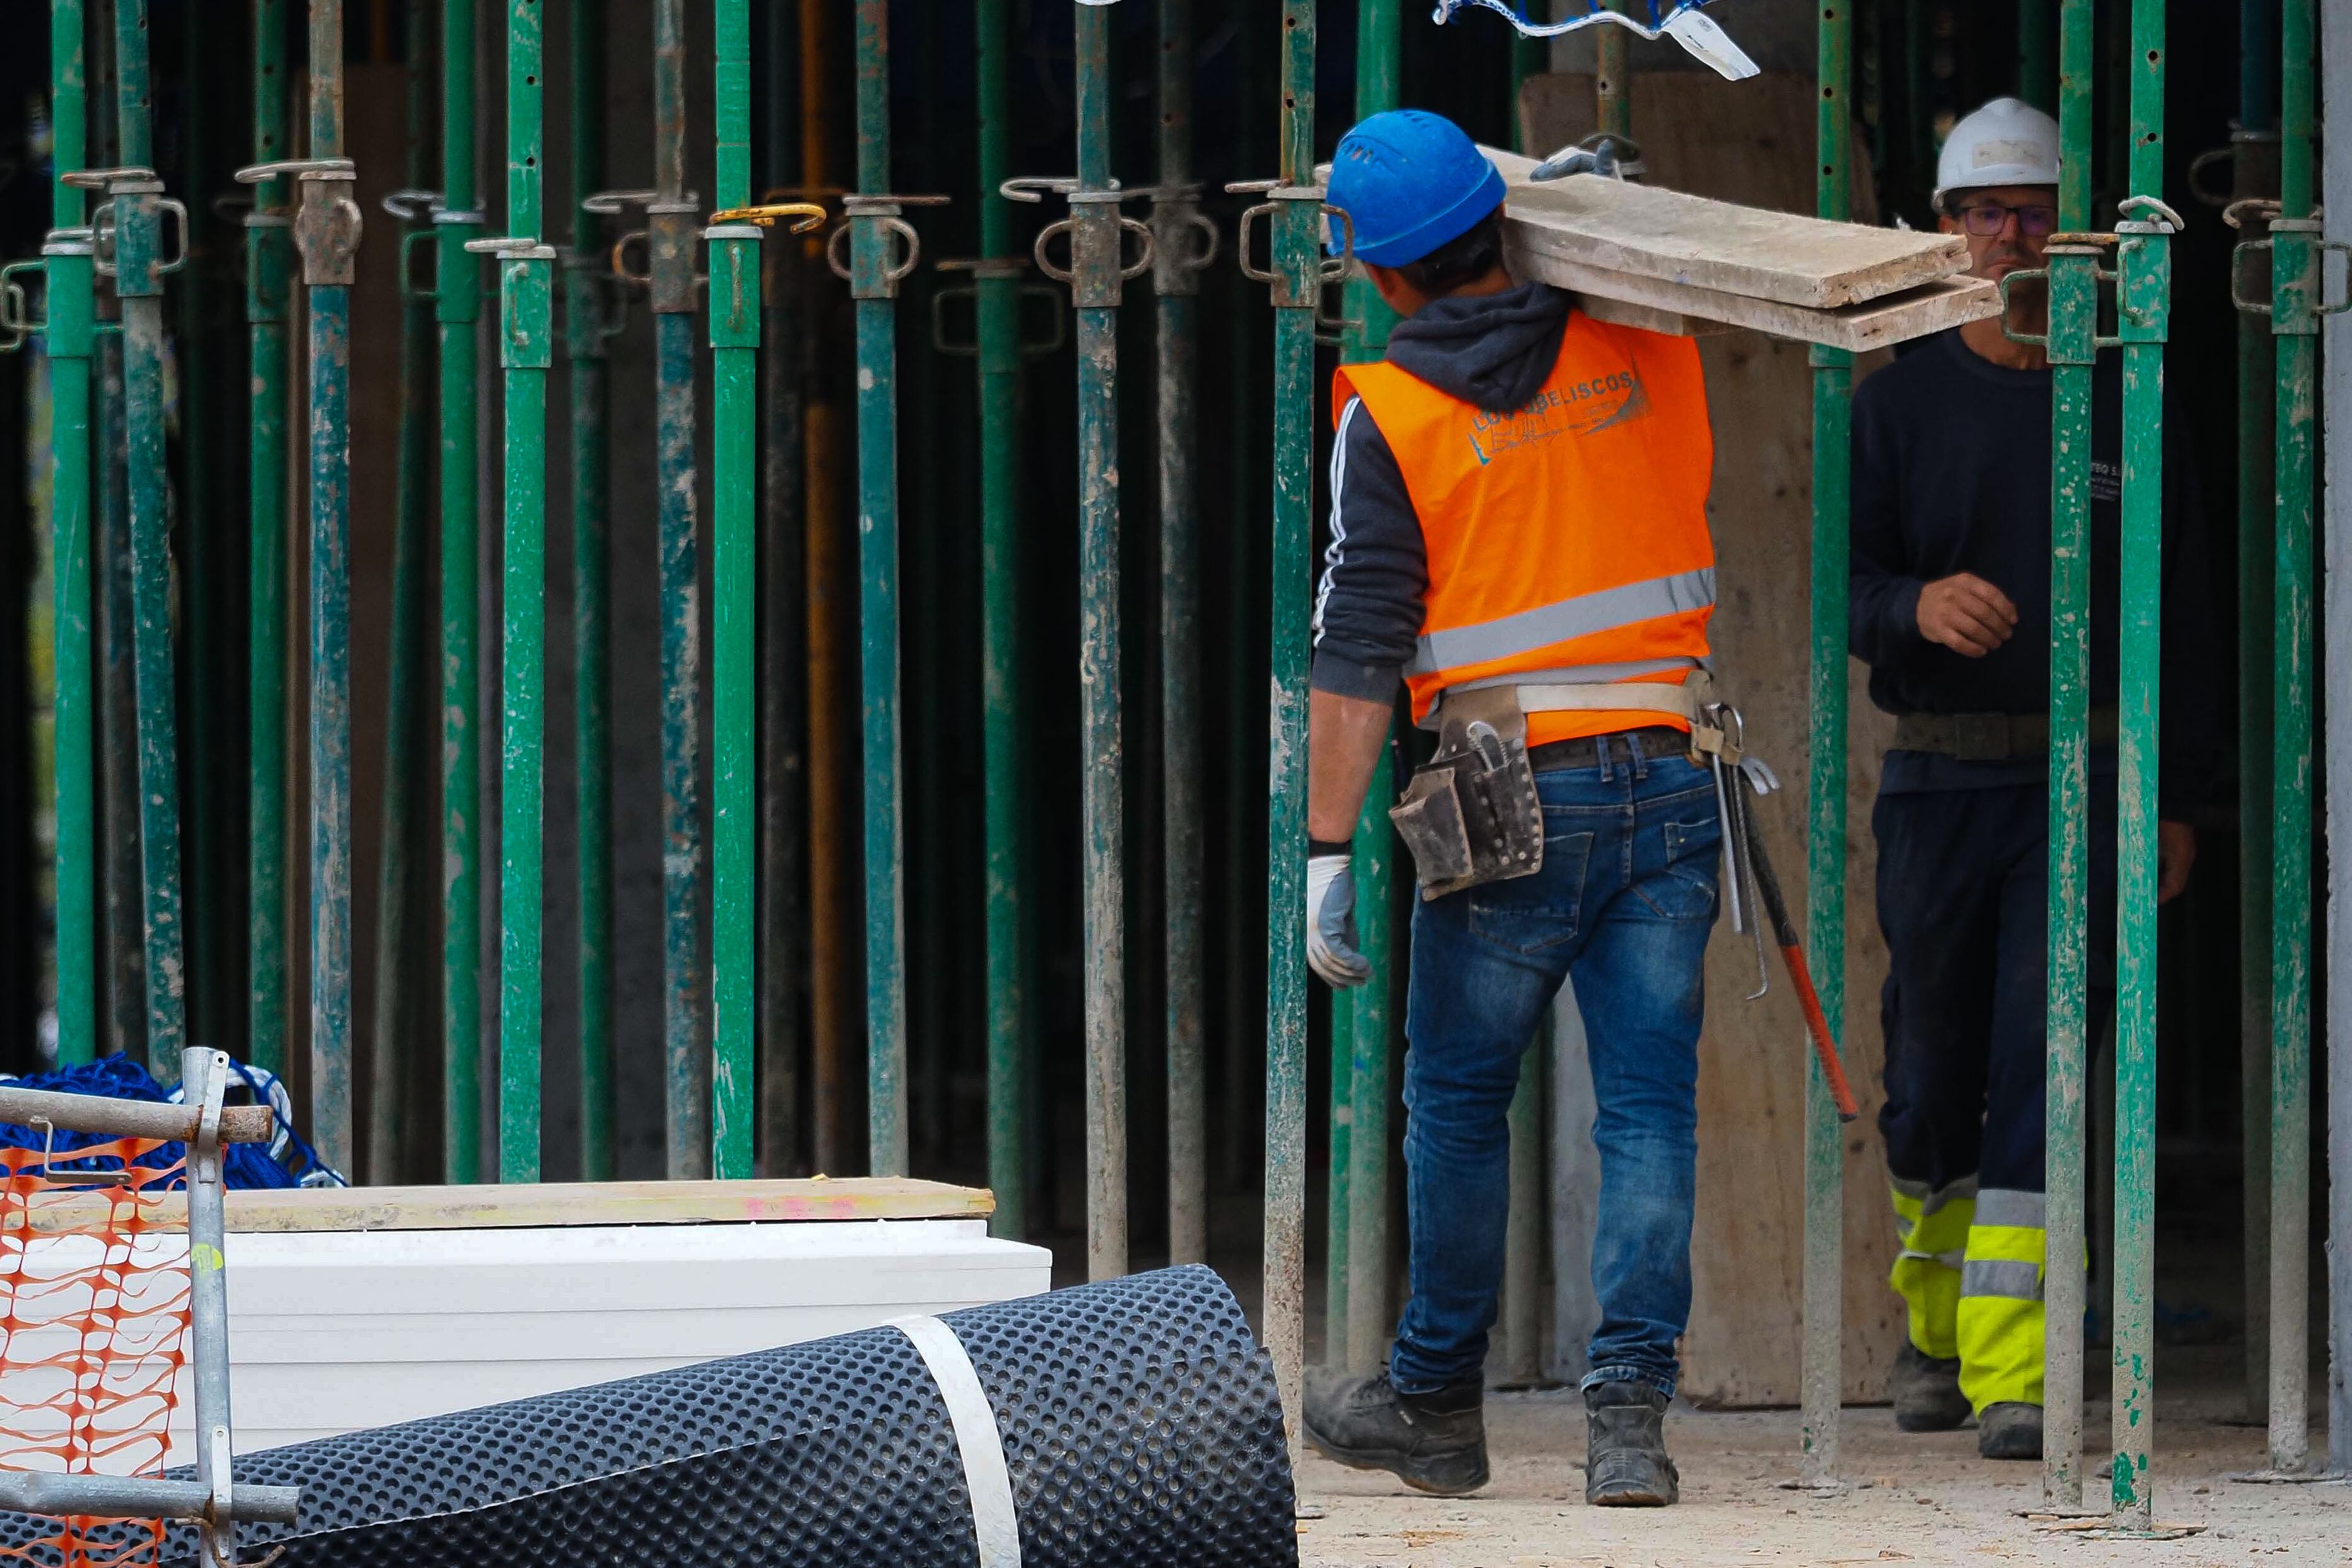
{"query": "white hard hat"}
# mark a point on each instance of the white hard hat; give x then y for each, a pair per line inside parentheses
(2006, 142)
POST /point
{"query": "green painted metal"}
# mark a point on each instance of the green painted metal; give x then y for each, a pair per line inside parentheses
(1095, 287)
(67, 264)
(588, 371)
(2037, 53)
(268, 301)
(1297, 283)
(670, 272)
(1612, 82)
(457, 310)
(734, 576)
(1821, 1379)
(1369, 1320)
(2072, 347)
(1175, 225)
(786, 907)
(873, 283)
(2143, 289)
(997, 326)
(329, 279)
(138, 205)
(2254, 179)
(526, 349)
(394, 1025)
(1361, 1016)
(2298, 289)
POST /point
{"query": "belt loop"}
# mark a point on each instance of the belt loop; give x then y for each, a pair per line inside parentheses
(1637, 755)
(1601, 751)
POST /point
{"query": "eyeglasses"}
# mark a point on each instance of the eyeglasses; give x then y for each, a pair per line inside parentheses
(1985, 219)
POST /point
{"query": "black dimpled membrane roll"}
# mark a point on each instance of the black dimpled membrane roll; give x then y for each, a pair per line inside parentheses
(1139, 1419)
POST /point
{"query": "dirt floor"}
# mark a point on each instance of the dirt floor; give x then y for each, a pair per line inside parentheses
(1906, 1499)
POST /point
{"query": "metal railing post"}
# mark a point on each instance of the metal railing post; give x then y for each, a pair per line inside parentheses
(2143, 301)
(394, 1017)
(1362, 1015)
(996, 328)
(734, 238)
(2298, 291)
(327, 236)
(2072, 349)
(526, 349)
(1296, 276)
(873, 214)
(1178, 257)
(671, 228)
(66, 260)
(457, 311)
(1821, 1379)
(588, 370)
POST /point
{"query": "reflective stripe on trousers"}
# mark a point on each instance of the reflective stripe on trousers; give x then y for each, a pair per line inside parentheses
(2001, 1316)
(1931, 1233)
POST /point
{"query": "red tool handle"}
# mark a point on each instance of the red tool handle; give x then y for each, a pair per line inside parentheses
(1818, 1028)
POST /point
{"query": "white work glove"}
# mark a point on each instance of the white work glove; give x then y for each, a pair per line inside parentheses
(1331, 923)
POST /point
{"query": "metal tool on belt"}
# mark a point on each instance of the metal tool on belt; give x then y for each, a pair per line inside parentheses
(1747, 865)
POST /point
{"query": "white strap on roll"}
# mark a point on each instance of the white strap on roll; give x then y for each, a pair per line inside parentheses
(994, 1523)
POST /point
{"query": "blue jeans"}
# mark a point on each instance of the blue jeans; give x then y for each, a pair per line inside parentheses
(1623, 903)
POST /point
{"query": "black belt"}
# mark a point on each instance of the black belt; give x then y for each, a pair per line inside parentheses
(1587, 750)
(1990, 736)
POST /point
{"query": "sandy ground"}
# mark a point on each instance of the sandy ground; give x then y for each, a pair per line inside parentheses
(1906, 1499)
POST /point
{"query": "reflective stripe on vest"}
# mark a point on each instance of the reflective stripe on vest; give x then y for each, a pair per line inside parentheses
(1567, 538)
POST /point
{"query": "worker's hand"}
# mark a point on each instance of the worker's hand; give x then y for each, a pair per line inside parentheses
(2176, 852)
(1331, 923)
(1967, 615)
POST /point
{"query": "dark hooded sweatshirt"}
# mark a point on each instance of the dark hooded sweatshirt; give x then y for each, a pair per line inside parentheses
(1494, 352)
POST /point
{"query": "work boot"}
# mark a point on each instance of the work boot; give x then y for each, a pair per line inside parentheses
(1625, 1462)
(2009, 1430)
(1928, 1397)
(1434, 1442)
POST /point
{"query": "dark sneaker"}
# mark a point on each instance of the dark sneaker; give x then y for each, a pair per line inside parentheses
(1433, 1442)
(2009, 1430)
(1625, 1462)
(1928, 1397)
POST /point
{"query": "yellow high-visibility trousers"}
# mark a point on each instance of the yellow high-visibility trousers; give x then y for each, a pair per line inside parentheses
(1969, 1269)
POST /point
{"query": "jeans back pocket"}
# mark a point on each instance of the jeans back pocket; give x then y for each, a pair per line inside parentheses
(1529, 913)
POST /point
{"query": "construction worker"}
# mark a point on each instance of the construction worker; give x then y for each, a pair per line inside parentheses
(1519, 499)
(1950, 608)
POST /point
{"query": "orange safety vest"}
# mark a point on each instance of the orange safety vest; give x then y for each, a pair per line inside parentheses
(1567, 539)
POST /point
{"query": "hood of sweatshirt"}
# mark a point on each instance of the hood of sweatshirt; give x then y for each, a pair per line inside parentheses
(1494, 351)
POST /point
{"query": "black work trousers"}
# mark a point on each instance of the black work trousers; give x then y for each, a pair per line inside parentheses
(1963, 903)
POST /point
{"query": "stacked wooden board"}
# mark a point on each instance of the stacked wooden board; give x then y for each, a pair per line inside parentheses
(1673, 262)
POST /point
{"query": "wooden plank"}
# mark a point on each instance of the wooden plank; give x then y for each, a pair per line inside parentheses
(552, 1204)
(1729, 247)
(1530, 251)
(1625, 313)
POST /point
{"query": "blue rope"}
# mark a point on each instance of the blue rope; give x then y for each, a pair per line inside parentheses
(244, 1166)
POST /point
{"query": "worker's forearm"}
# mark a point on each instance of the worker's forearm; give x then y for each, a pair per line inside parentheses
(1344, 736)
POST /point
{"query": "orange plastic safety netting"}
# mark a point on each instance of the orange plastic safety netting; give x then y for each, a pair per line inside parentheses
(94, 1284)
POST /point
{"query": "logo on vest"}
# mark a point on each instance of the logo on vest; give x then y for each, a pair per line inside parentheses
(1577, 408)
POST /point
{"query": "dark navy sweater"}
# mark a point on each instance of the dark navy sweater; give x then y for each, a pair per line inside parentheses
(1951, 474)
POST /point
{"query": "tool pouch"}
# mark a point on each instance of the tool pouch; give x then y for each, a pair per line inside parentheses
(1471, 816)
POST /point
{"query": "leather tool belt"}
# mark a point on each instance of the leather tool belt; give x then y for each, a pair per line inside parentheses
(1991, 737)
(1470, 815)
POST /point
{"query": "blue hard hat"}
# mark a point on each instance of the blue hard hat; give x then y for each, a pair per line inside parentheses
(1410, 181)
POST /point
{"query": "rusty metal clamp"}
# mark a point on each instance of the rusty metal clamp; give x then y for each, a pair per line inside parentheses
(408, 205)
(327, 225)
(2093, 245)
(1330, 268)
(2240, 140)
(129, 179)
(996, 267)
(2308, 230)
(888, 208)
(1035, 187)
(1175, 209)
(805, 216)
(17, 321)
